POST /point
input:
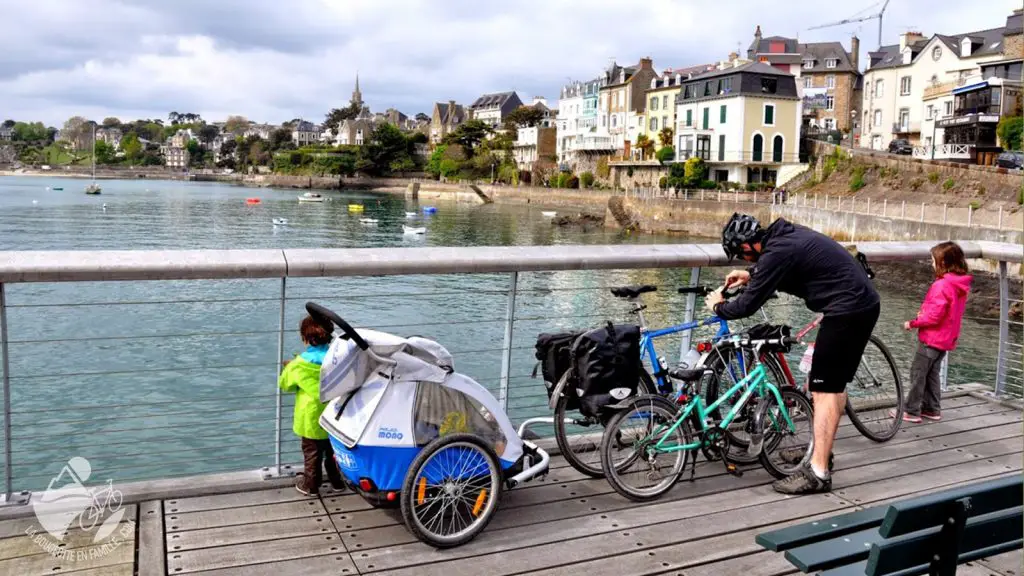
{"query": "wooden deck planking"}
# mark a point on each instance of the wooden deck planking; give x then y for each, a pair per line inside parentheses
(1009, 564)
(255, 553)
(152, 554)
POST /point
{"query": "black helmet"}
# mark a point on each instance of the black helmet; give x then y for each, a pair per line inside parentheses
(741, 229)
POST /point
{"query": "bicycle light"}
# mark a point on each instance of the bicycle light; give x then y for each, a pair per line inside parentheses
(703, 347)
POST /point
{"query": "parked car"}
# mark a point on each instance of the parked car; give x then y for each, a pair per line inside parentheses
(1011, 160)
(900, 146)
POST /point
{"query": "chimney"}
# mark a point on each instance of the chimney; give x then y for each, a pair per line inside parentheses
(855, 52)
(733, 56)
(646, 63)
(908, 38)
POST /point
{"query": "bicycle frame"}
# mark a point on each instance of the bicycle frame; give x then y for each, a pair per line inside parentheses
(648, 351)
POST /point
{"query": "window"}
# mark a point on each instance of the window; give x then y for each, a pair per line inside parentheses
(830, 81)
(615, 120)
(654, 123)
(689, 117)
(808, 82)
(769, 85)
(727, 85)
(721, 147)
(664, 102)
(687, 92)
(654, 103)
(935, 80)
(769, 114)
(808, 64)
(706, 114)
(878, 118)
(930, 113)
(936, 53)
(721, 114)
(904, 119)
(777, 148)
(879, 88)
(905, 86)
(757, 148)
(830, 102)
(707, 88)
(831, 62)
(664, 122)
(949, 108)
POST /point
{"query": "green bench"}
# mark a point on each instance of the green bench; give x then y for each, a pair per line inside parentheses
(926, 535)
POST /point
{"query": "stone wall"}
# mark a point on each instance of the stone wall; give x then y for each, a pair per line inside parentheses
(644, 174)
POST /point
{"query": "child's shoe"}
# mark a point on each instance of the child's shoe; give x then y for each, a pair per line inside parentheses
(907, 417)
(933, 416)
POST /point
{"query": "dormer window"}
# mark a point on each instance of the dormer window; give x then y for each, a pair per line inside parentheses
(808, 64)
(831, 62)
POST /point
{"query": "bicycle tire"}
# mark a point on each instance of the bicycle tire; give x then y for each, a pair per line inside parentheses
(881, 434)
(653, 404)
(588, 467)
(773, 439)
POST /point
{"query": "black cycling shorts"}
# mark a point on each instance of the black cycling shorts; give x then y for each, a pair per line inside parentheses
(838, 349)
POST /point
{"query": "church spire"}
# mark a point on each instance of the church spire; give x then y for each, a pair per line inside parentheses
(357, 96)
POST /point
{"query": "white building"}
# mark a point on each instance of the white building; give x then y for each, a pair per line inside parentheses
(898, 77)
(175, 156)
(260, 130)
(533, 144)
(577, 120)
(305, 133)
(491, 109)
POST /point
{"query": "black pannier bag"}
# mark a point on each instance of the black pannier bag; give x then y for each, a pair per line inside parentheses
(552, 353)
(605, 359)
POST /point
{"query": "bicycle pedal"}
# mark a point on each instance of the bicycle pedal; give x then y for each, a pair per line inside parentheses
(733, 470)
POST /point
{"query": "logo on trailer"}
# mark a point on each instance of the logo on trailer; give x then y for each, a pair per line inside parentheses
(345, 460)
(389, 433)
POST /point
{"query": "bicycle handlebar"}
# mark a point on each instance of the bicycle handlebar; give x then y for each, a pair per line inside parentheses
(317, 311)
(705, 290)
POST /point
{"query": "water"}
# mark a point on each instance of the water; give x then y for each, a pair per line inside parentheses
(153, 379)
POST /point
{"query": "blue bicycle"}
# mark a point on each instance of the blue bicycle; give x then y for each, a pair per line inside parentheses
(577, 441)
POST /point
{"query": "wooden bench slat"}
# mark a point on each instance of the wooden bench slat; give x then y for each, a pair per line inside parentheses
(826, 554)
(825, 529)
(903, 552)
(860, 568)
(917, 514)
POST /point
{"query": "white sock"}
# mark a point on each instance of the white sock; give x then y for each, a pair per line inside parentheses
(821, 474)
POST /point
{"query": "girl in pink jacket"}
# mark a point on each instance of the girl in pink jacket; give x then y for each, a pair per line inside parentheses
(938, 327)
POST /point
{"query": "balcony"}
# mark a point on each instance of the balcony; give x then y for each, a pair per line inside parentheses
(596, 143)
(906, 127)
(944, 152)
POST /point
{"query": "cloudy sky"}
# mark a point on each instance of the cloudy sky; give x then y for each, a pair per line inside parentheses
(274, 60)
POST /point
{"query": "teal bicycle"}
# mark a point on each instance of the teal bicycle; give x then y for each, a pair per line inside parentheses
(649, 442)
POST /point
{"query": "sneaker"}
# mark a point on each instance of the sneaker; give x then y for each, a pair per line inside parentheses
(907, 417)
(793, 456)
(803, 481)
(933, 416)
(300, 486)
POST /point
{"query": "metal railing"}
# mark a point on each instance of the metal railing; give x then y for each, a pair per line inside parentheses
(158, 364)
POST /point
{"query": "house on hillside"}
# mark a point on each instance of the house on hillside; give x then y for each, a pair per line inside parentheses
(534, 144)
(305, 133)
(111, 136)
(743, 121)
(491, 109)
(622, 102)
(260, 130)
(660, 103)
(6, 133)
(580, 138)
(447, 116)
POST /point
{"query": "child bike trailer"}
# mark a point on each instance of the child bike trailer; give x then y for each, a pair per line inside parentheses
(407, 429)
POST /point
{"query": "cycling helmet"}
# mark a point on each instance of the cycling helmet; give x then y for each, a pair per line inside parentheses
(741, 229)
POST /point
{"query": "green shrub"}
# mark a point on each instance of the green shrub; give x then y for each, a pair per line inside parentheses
(916, 183)
(629, 171)
(587, 179)
(975, 205)
(603, 170)
(1020, 197)
(1011, 132)
(666, 154)
(708, 185)
(572, 182)
(694, 172)
(857, 179)
(933, 177)
(663, 182)
(948, 184)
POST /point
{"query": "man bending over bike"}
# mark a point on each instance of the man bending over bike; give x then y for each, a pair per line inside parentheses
(794, 259)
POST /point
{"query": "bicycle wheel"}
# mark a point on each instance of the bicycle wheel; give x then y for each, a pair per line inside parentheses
(785, 450)
(579, 441)
(632, 466)
(874, 400)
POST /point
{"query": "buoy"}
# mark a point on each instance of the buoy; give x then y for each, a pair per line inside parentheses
(252, 200)
(429, 209)
(355, 207)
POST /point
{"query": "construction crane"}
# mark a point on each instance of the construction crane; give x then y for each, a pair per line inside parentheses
(860, 19)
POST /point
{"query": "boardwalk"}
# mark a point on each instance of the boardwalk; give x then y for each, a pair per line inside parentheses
(563, 524)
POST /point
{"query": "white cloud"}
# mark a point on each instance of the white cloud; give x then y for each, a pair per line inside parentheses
(273, 61)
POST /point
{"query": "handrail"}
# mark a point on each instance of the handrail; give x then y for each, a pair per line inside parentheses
(81, 266)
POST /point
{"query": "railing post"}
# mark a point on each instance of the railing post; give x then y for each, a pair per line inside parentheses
(755, 196)
(506, 348)
(944, 373)
(737, 195)
(840, 209)
(5, 366)
(826, 201)
(885, 207)
(701, 194)
(691, 305)
(815, 200)
(853, 205)
(970, 215)
(903, 211)
(922, 211)
(1004, 328)
(869, 205)
(719, 195)
(277, 397)
(1000, 217)
(944, 207)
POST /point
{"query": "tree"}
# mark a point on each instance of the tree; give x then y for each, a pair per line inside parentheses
(9, 123)
(111, 122)
(665, 136)
(174, 117)
(105, 153)
(587, 179)
(645, 145)
(236, 124)
(29, 132)
(78, 131)
(1010, 131)
(336, 116)
(404, 164)
(227, 150)
(695, 171)
(469, 135)
(665, 154)
(386, 147)
(436, 157)
(418, 138)
(132, 147)
(281, 139)
(208, 133)
(524, 117)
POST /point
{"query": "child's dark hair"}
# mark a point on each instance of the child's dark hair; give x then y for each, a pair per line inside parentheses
(313, 332)
(949, 258)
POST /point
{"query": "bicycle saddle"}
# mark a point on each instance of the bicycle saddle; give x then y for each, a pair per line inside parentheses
(686, 375)
(632, 291)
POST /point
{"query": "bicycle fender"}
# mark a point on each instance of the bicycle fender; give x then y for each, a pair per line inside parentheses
(557, 392)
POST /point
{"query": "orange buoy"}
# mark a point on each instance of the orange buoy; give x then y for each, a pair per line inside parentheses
(252, 200)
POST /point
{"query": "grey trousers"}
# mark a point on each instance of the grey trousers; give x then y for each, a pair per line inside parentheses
(925, 387)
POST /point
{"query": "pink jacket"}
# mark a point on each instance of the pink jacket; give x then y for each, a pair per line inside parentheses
(938, 322)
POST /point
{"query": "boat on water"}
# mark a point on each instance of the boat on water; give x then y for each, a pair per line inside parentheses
(355, 207)
(414, 230)
(58, 188)
(410, 214)
(429, 209)
(368, 220)
(548, 214)
(93, 188)
(280, 221)
(252, 200)
(311, 197)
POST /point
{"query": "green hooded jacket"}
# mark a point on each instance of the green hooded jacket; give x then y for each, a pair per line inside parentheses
(303, 377)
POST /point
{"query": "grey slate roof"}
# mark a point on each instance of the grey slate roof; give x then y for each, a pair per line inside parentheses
(752, 67)
(822, 51)
(990, 42)
(445, 112)
(497, 99)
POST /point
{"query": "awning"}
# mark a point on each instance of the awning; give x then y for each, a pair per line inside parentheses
(970, 87)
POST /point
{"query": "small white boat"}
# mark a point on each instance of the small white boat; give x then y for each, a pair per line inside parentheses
(311, 197)
(280, 221)
(368, 220)
(548, 214)
(410, 214)
(414, 230)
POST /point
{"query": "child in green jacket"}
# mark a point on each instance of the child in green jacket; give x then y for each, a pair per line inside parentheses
(302, 376)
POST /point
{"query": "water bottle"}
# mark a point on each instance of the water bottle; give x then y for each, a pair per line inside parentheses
(662, 364)
(805, 361)
(690, 359)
